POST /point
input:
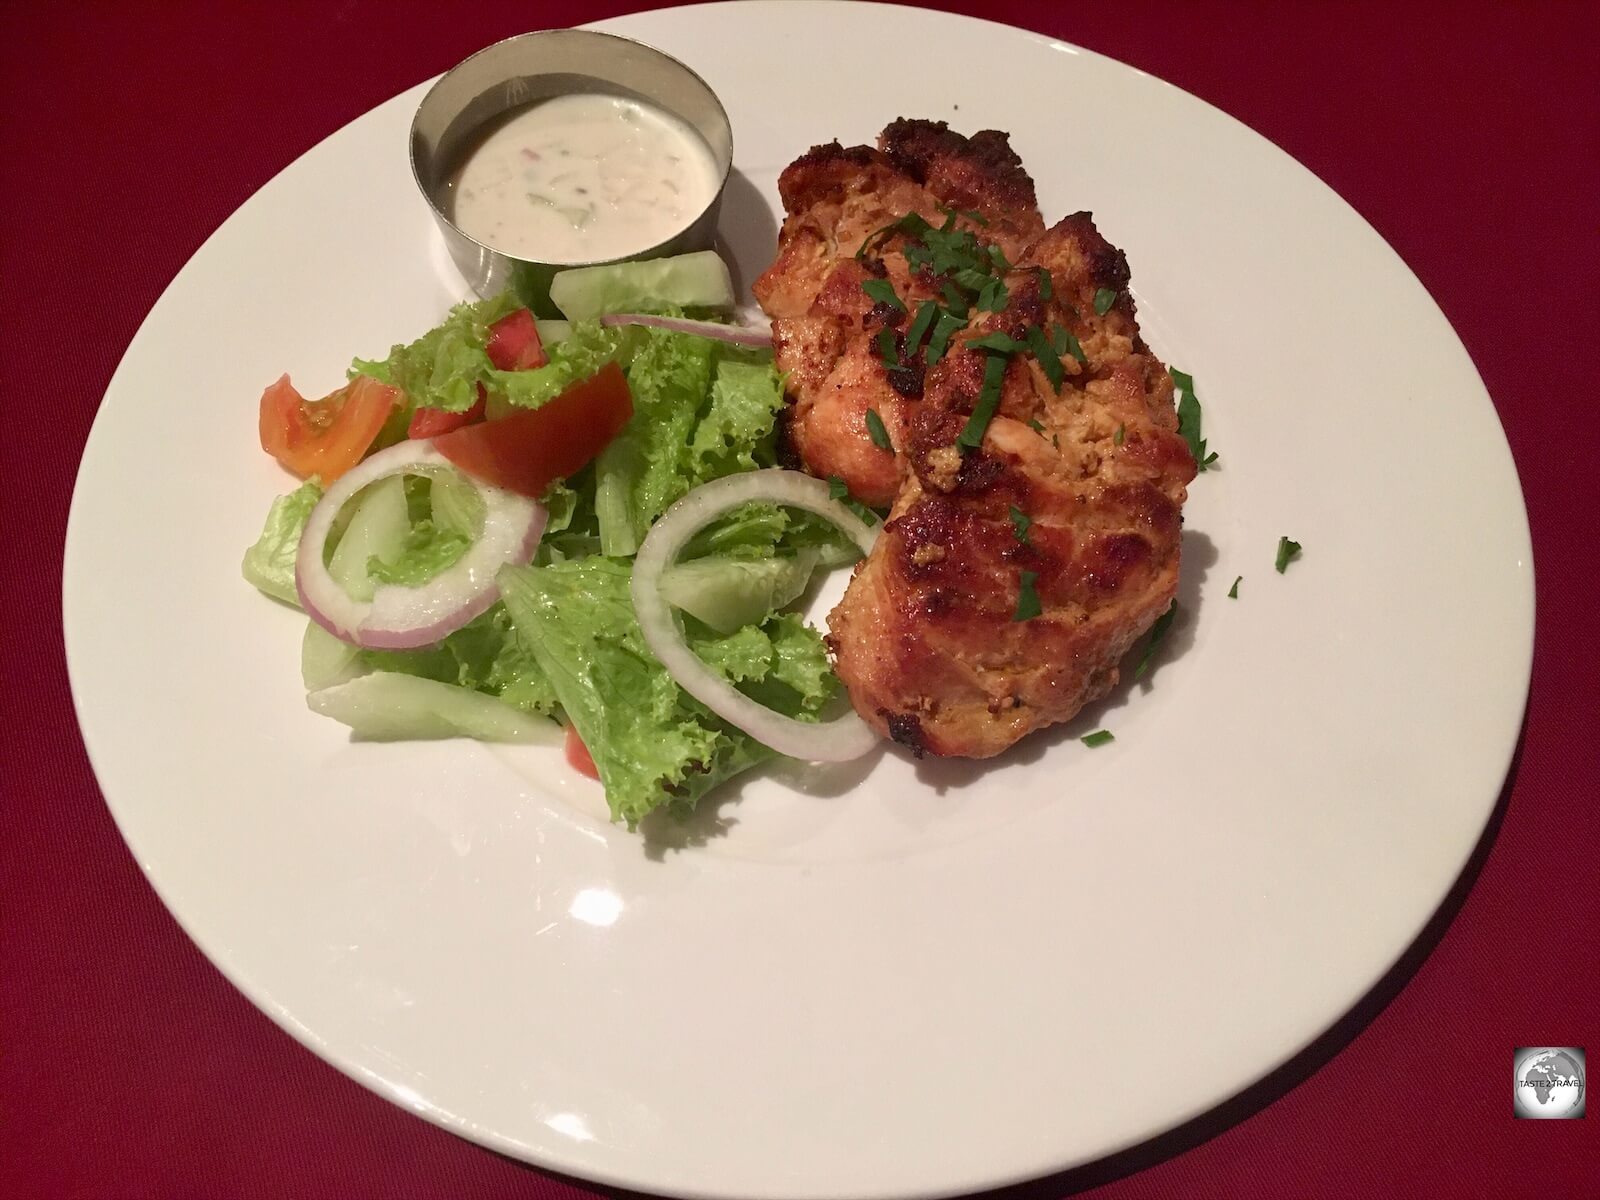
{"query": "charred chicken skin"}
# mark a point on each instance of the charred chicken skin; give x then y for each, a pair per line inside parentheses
(1034, 471)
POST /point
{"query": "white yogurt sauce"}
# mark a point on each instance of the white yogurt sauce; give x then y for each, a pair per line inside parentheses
(582, 178)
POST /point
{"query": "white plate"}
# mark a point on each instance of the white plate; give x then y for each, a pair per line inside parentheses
(902, 979)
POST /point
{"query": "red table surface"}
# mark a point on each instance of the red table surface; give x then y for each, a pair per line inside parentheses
(1465, 133)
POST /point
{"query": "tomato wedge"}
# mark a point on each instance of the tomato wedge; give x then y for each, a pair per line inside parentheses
(431, 422)
(514, 343)
(578, 756)
(530, 449)
(324, 437)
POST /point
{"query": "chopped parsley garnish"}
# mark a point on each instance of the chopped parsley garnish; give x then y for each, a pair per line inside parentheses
(1047, 358)
(1046, 284)
(888, 351)
(1098, 738)
(1189, 419)
(943, 329)
(1027, 599)
(1119, 435)
(875, 429)
(993, 295)
(883, 292)
(920, 324)
(1003, 342)
(1104, 298)
(998, 257)
(1034, 425)
(1158, 634)
(994, 374)
(1065, 343)
(974, 216)
(1233, 592)
(1287, 552)
(837, 490)
(953, 299)
(1020, 521)
(913, 224)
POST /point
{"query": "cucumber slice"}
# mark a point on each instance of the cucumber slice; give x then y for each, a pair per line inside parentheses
(386, 706)
(326, 660)
(730, 593)
(379, 527)
(552, 331)
(698, 280)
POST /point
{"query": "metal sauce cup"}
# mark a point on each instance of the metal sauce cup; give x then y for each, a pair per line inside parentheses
(531, 67)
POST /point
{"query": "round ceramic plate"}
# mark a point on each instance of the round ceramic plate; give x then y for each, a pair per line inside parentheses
(894, 978)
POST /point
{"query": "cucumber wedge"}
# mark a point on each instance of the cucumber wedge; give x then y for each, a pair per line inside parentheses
(698, 280)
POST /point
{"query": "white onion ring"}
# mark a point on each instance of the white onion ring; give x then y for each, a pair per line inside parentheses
(403, 618)
(833, 741)
(734, 335)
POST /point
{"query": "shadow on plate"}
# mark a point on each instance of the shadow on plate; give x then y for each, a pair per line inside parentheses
(747, 230)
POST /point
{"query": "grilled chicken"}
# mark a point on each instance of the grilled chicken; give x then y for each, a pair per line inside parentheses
(1016, 570)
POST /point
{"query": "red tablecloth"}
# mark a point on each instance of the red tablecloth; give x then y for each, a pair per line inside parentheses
(1466, 133)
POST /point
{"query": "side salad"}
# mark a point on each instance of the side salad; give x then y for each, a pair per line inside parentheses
(508, 522)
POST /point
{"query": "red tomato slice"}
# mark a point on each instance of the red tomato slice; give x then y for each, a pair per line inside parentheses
(514, 343)
(431, 422)
(324, 437)
(578, 756)
(530, 449)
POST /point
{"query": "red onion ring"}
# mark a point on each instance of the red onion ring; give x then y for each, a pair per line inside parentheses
(839, 740)
(734, 335)
(404, 618)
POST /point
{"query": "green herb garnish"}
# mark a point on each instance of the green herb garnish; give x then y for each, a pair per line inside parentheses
(1189, 419)
(875, 430)
(1027, 599)
(837, 489)
(1104, 298)
(913, 224)
(1098, 738)
(883, 292)
(1122, 432)
(1287, 552)
(1065, 343)
(954, 300)
(1046, 355)
(943, 330)
(1034, 425)
(1003, 342)
(993, 295)
(1233, 592)
(926, 312)
(994, 373)
(1020, 521)
(1158, 633)
(1046, 284)
(888, 351)
(974, 216)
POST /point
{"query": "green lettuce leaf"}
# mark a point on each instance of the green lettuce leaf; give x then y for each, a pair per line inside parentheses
(485, 655)
(653, 744)
(442, 368)
(737, 429)
(269, 564)
(427, 551)
(586, 348)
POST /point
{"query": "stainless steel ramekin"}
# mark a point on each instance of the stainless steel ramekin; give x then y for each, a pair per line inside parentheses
(537, 66)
